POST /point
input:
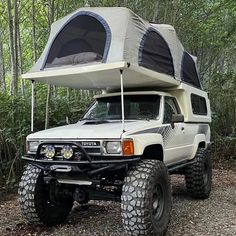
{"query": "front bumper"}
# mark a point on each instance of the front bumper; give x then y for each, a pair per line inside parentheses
(87, 165)
(81, 170)
(43, 162)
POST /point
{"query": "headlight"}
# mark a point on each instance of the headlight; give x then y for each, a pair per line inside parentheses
(67, 151)
(33, 146)
(113, 147)
(49, 151)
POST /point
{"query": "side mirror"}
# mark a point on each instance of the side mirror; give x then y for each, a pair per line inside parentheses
(177, 118)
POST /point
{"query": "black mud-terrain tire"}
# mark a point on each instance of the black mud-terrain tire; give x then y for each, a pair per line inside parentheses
(198, 176)
(146, 199)
(35, 202)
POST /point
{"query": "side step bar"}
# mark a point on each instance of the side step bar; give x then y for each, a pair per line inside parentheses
(173, 168)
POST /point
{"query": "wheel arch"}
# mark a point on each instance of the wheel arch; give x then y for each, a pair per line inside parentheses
(202, 144)
(199, 142)
(153, 152)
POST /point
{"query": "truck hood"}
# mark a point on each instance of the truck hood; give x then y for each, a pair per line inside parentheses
(90, 130)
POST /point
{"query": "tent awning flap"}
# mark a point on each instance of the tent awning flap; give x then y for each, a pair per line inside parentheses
(103, 76)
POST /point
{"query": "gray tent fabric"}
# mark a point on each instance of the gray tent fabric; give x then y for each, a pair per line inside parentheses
(115, 34)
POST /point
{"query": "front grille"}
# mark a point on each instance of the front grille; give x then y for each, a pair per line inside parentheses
(92, 147)
(93, 151)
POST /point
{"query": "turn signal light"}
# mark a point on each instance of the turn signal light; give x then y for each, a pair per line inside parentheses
(128, 147)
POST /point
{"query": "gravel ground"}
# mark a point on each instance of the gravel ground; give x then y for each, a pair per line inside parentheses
(214, 216)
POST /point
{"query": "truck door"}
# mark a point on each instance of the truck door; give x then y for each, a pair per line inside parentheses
(173, 137)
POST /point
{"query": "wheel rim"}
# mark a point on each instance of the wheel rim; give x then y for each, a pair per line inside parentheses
(158, 202)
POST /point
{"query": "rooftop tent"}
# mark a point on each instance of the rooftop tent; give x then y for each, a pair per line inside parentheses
(88, 48)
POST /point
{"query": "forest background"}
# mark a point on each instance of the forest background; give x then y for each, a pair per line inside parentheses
(207, 29)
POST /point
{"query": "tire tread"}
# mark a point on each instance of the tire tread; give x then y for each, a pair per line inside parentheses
(194, 176)
(134, 200)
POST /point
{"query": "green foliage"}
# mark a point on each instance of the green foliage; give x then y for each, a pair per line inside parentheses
(222, 89)
(206, 28)
(15, 123)
(14, 126)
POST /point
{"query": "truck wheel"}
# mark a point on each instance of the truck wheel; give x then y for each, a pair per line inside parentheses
(35, 201)
(198, 176)
(146, 199)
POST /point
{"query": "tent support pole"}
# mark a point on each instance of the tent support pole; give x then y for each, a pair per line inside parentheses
(32, 106)
(122, 100)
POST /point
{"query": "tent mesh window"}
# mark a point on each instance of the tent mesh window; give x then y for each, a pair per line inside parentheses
(155, 53)
(188, 71)
(82, 40)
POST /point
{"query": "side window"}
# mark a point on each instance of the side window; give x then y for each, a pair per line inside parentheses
(198, 105)
(170, 107)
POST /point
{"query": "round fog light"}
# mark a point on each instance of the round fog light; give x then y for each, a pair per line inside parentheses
(67, 151)
(49, 151)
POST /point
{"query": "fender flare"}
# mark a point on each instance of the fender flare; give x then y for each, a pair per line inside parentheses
(145, 140)
(199, 138)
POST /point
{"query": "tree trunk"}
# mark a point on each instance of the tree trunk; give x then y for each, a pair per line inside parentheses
(81, 94)
(51, 16)
(155, 14)
(15, 30)
(14, 80)
(175, 11)
(165, 17)
(50, 21)
(67, 94)
(51, 13)
(34, 32)
(20, 61)
(2, 67)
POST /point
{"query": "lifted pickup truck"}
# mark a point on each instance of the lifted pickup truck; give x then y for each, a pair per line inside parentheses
(95, 159)
(152, 120)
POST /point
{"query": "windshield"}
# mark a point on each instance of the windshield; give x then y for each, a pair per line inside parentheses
(136, 107)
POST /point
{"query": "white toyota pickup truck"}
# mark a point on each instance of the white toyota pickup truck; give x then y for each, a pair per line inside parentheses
(152, 120)
(96, 159)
